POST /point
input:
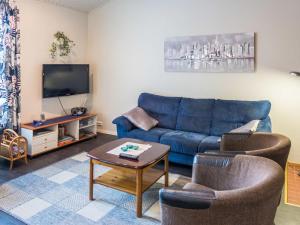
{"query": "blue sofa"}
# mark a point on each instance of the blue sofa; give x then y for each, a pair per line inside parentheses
(192, 126)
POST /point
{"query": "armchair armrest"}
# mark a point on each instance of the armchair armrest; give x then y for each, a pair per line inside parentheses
(124, 123)
(186, 199)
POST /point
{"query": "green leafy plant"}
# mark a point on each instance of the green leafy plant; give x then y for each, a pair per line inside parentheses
(61, 46)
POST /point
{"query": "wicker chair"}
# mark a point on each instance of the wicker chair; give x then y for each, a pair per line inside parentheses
(13, 147)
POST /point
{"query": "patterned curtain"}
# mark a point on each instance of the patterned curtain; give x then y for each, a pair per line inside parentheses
(9, 65)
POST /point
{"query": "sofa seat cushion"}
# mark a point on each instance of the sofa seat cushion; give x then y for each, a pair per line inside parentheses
(196, 187)
(209, 143)
(151, 135)
(183, 142)
(195, 115)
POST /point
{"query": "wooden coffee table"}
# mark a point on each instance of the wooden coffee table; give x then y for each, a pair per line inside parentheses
(131, 176)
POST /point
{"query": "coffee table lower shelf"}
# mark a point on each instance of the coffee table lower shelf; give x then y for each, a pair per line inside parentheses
(125, 180)
(134, 181)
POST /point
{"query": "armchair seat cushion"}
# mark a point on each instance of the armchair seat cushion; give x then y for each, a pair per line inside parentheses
(153, 135)
(183, 142)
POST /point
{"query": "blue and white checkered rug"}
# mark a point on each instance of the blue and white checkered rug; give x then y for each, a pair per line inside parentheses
(58, 195)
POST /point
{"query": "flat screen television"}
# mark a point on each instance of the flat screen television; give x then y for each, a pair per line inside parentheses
(65, 79)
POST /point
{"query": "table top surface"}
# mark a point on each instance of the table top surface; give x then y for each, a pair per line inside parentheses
(150, 156)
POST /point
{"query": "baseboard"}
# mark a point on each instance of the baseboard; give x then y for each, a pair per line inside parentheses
(107, 132)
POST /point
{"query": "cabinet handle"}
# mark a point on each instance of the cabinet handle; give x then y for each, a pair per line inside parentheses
(298, 173)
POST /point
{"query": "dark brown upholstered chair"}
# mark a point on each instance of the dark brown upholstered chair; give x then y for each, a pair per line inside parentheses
(232, 190)
(268, 145)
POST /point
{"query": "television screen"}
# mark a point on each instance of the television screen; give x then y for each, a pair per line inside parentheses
(65, 79)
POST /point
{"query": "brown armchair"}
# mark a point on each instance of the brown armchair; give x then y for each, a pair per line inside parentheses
(268, 145)
(232, 190)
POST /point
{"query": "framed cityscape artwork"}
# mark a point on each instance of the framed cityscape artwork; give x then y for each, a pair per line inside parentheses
(220, 53)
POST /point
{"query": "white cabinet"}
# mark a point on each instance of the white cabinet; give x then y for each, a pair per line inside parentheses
(46, 137)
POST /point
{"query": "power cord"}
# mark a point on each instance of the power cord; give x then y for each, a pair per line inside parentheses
(85, 101)
(62, 106)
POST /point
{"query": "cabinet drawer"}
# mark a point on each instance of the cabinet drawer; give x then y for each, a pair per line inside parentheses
(42, 139)
(37, 149)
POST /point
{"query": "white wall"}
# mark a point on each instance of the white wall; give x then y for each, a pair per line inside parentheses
(39, 21)
(126, 41)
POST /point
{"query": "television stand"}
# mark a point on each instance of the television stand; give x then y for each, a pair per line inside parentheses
(47, 137)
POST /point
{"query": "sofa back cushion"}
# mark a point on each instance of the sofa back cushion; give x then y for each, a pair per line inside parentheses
(163, 109)
(195, 115)
(231, 114)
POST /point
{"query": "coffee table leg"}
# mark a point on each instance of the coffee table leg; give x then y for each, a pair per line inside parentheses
(139, 193)
(91, 180)
(166, 171)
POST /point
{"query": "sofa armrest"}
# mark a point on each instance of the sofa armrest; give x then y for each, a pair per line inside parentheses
(124, 123)
(265, 125)
(186, 199)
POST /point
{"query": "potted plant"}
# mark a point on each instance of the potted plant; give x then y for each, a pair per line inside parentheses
(62, 45)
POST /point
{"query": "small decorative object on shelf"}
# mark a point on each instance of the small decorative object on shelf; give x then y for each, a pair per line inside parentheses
(37, 123)
(61, 46)
(43, 117)
(65, 140)
(13, 147)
